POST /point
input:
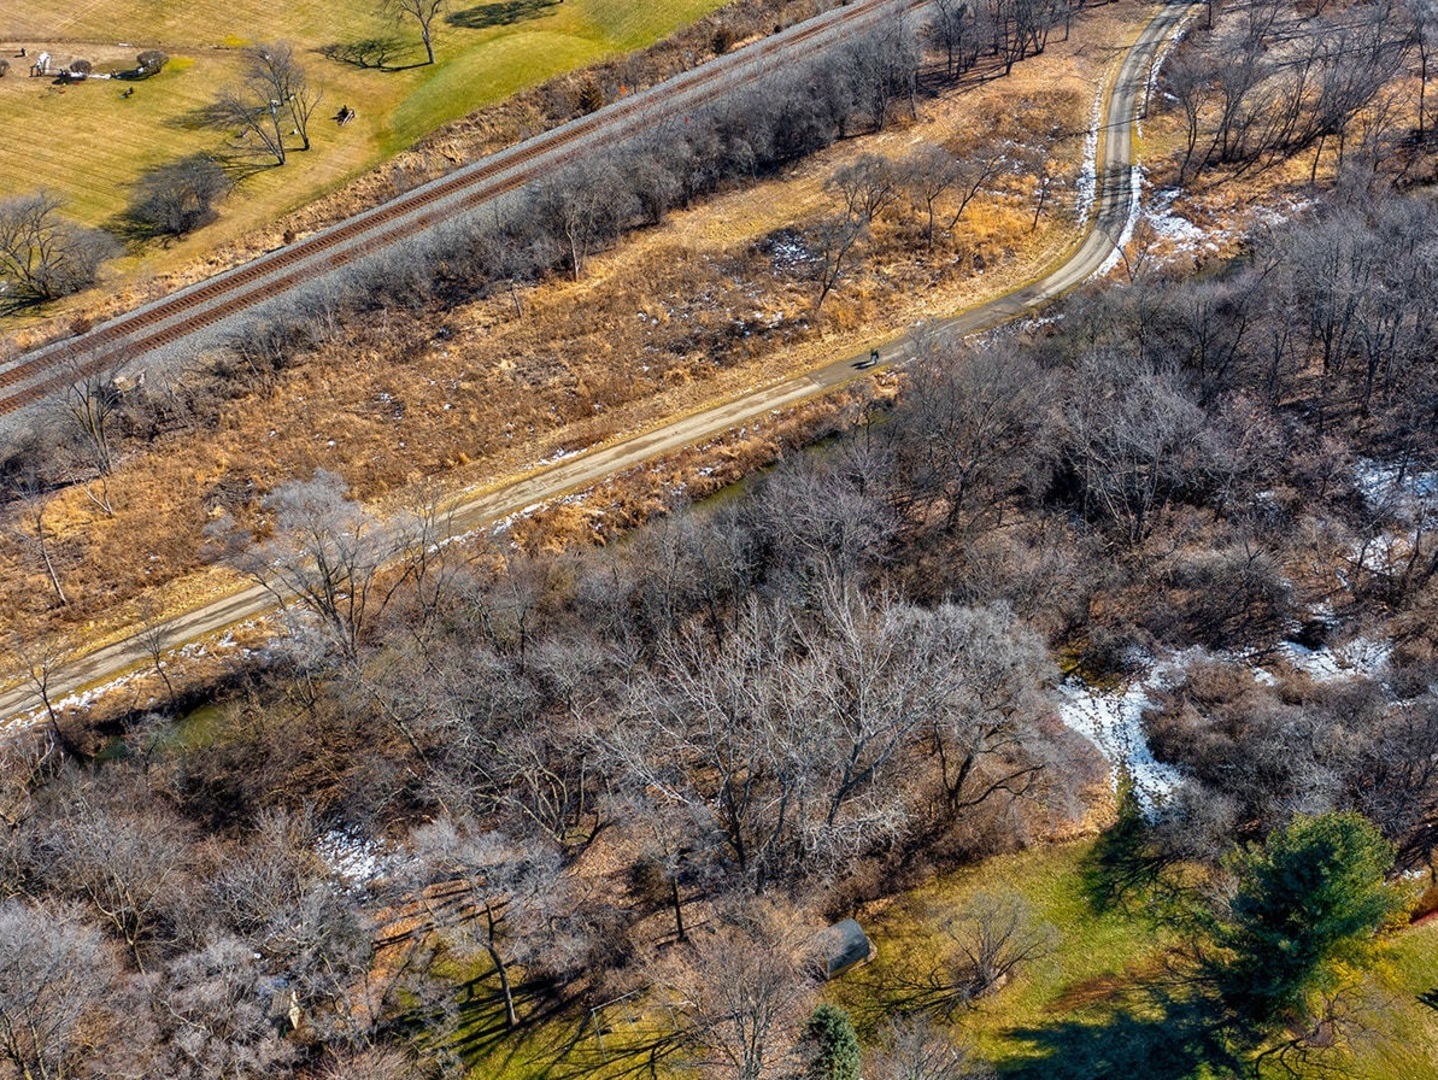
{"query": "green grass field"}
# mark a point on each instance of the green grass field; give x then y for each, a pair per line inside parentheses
(88, 144)
(1078, 1013)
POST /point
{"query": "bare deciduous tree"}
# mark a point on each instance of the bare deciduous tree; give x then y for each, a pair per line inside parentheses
(955, 27)
(1136, 442)
(423, 12)
(747, 991)
(213, 1011)
(982, 726)
(586, 206)
(156, 636)
(27, 521)
(1424, 17)
(54, 972)
(41, 662)
(919, 1049)
(125, 859)
(969, 431)
(993, 936)
(512, 895)
(91, 401)
(42, 255)
(326, 552)
(935, 178)
(273, 96)
(176, 198)
(864, 190)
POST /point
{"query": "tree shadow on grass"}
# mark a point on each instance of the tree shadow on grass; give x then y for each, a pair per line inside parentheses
(574, 1048)
(500, 13)
(374, 54)
(201, 118)
(1154, 1036)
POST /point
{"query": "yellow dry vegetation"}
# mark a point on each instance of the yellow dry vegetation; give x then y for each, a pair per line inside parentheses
(694, 311)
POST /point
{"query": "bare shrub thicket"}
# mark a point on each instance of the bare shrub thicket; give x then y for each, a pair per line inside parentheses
(1267, 81)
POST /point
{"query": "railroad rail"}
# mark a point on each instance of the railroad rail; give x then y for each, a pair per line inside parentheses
(172, 319)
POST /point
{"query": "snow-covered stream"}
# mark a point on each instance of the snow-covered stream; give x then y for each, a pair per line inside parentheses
(1112, 719)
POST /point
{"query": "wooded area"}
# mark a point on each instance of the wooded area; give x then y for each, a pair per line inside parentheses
(478, 786)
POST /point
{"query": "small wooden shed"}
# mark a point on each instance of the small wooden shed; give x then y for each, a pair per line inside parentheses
(843, 946)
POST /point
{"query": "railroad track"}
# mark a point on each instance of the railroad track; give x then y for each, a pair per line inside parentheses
(171, 320)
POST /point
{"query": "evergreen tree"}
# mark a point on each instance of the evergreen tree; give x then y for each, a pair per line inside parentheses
(1309, 901)
(834, 1045)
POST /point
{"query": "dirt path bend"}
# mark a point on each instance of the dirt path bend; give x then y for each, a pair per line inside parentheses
(1117, 196)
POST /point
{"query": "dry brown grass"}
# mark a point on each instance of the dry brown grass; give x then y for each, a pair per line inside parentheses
(390, 404)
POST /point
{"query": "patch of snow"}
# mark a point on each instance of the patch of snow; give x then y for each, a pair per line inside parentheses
(1113, 721)
(1359, 658)
(1175, 228)
(80, 700)
(357, 861)
(1410, 495)
(1088, 177)
(1269, 217)
(789, 252)
(1405, 500)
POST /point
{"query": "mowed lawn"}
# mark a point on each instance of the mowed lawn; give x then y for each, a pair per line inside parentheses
(88, 144)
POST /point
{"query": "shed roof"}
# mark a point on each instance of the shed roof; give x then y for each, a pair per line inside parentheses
(842, 946)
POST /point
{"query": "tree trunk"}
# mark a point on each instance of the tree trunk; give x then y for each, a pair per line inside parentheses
(50, 566)
(511, 1018)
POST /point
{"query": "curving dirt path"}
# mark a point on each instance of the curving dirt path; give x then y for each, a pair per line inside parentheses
(1116, 197)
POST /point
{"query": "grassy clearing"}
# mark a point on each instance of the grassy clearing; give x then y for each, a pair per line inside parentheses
(627, 1037)
(1097, 953)
(88, 144)
(1402, 1041)
(1058, 1014)
(1052, 1020)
